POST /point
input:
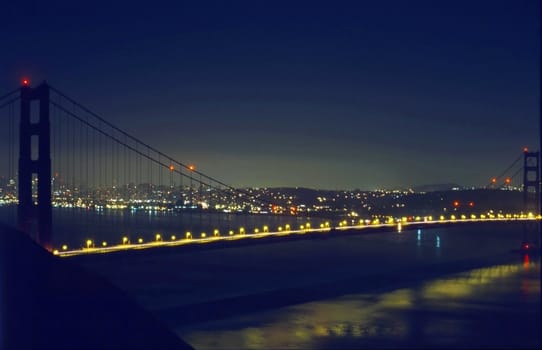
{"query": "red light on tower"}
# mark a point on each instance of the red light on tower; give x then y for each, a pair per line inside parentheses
(26, 82)
(471, 204)
(525, 149)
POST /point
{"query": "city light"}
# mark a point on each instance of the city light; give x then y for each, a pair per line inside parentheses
(358, 202)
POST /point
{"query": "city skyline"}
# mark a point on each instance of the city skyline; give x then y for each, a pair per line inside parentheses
(359, 95)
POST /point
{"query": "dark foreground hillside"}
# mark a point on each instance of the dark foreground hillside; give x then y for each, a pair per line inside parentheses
(50, 303)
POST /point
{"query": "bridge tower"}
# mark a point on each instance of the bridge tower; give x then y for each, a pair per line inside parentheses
(531, 198)
(28, 212)
(531, 182)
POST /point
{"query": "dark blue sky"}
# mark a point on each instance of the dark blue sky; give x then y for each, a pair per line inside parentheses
(332, 94)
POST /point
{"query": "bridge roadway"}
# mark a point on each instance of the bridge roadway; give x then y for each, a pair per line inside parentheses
(214, 239)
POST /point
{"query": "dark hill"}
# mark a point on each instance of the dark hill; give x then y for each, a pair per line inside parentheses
(50, 303)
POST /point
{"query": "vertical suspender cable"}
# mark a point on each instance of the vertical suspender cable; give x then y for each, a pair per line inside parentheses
(87, 180)
(79, 164)
(137, 163)
(191, 199)
(85, 162)
(10, 159)
(73, 133)
(112, 163)
(61, 147)
(150, 169)
(200, 200)
(125, 170)
(217, 205)
(100, 159)
(94, 183)
(129, 167)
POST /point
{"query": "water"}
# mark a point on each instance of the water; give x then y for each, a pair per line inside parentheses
(435, 288)
(75, 226)
(443, 287)
(495, 306)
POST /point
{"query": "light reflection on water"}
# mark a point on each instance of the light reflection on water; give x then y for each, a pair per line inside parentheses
(437, 313)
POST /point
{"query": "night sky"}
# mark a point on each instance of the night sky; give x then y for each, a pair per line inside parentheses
(333, 95)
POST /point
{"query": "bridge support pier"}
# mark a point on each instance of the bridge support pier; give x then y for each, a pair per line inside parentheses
(28, 212)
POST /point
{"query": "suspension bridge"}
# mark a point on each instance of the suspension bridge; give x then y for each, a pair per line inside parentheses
(63, 158)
